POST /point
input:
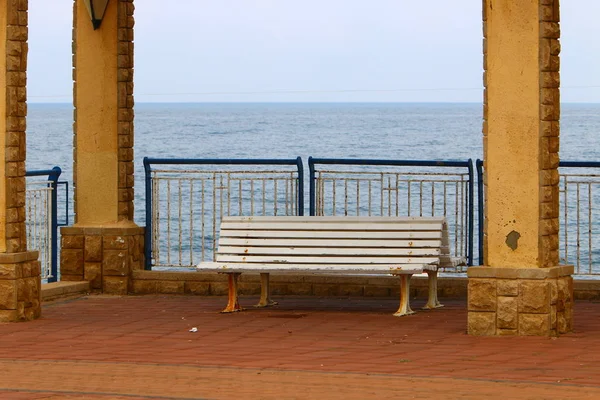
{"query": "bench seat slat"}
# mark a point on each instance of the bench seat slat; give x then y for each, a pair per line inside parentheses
(328, 251)
(331, 226)
(335, 219)
(329, 234)
(303, 242)
(283, 259)
(317, 268)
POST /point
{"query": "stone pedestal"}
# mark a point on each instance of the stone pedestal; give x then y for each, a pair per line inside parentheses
(520, 301)
(105, 257)
(20, 283)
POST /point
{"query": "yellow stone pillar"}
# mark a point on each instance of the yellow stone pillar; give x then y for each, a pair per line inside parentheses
(104, 245)
(521, 290)
(19, 269)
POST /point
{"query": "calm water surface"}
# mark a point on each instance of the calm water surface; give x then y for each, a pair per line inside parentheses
(284, 130)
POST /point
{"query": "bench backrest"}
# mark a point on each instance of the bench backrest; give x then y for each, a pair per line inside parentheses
(356, 241)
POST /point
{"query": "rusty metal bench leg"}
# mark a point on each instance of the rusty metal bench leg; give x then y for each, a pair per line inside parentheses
(404, 296)
(233, 305)
(432, 301)
(265, 292)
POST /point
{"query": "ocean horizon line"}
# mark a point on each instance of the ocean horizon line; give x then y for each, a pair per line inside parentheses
(307, 103)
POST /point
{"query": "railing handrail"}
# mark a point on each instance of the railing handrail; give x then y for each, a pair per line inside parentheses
(221, 161)
(148, 162)
(579, 164)
(397, 163)
(53, 174)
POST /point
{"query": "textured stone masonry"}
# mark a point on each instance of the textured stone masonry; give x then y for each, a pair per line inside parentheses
(20, 286)
(520, 301)
(105, 257)
(125, 104)
(549, 144)
(16, 111)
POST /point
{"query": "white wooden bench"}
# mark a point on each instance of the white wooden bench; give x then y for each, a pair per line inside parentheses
(332, 245)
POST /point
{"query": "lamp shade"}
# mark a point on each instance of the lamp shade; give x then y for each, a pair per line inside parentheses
(96, 8)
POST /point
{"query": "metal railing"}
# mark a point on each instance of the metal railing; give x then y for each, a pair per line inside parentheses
(396, 188)
(41, 218)
(579, 202)
(579, 215)
(185, 201)
(186, 198)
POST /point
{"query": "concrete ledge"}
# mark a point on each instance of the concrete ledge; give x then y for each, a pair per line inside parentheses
(103, 231)
(56, 290)
(210, 283)
(16, 258)
(206, 284)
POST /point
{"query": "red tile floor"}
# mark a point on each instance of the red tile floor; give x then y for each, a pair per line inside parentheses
(101, 347)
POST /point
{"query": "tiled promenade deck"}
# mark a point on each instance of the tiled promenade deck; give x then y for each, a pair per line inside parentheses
(140, 347)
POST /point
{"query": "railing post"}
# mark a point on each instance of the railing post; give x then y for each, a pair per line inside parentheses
(311, 185)
(480, 204)
(470, 214)
(53, 178)
(300, 186)
(148, 229)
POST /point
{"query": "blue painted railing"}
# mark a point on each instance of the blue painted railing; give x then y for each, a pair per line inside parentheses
(53, 176)
(480, 201)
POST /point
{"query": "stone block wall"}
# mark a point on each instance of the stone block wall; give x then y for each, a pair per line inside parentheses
(520, 301)
(20, 287)
(105, 257)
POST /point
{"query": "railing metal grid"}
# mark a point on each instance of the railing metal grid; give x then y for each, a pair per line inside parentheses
(186, 198)
(395, 188)
(578, 218)
(41, 219)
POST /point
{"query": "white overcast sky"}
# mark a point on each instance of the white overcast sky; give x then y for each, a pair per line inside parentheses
(306, 50)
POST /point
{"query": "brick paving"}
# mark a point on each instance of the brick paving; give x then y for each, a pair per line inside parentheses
(138, 347)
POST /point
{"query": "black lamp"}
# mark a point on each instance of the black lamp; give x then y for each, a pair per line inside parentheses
(96, 8)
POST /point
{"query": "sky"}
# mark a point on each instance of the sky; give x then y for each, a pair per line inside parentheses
(306, 51)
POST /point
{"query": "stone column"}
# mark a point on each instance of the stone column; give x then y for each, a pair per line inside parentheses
(521, 290)
(104, 245)
(19, 268)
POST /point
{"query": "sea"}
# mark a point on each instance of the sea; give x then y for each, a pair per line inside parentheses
(408, 131)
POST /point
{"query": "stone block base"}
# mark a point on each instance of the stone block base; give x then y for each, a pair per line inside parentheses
(20, 286)
(520, 301)
(105, 257)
